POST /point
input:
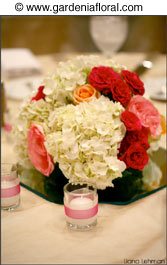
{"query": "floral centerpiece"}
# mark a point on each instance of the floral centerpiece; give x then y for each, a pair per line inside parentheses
(89, 123)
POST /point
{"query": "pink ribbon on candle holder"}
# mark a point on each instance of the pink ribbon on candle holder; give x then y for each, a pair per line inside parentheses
(81, 214)
(10, 192)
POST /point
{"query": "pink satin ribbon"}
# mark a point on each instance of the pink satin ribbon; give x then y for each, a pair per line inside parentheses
(10, 192)
(81, 214)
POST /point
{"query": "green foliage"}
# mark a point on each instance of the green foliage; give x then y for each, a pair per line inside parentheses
(125, 188)
(32, 178)
(54, 185)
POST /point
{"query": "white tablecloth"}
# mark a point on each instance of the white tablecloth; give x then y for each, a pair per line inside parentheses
(36, 232)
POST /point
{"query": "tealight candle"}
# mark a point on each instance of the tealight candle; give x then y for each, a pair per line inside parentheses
(10, 190)
(81, 203)
(81, 206)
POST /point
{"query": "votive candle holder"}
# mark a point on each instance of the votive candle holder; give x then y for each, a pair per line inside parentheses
(80, 206)
(10, 187)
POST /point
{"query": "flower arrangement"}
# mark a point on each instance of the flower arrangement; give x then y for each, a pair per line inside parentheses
(89, 123)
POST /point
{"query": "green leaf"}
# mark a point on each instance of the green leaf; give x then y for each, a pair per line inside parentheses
(54, 185)
(125, 188)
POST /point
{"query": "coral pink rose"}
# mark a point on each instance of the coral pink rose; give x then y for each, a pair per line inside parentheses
(147, 114)
(85, 93)
(38, 155)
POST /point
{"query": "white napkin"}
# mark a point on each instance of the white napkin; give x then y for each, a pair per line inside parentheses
(19, 62)
(155, 87)
(20, 88)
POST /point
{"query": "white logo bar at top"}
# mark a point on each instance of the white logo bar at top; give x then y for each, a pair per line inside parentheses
(82, 7)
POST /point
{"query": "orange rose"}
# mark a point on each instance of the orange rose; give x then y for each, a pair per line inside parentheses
(163, 124)
(85, 93)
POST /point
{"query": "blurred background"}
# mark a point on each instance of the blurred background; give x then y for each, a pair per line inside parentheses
(59, 34)
(31, 47)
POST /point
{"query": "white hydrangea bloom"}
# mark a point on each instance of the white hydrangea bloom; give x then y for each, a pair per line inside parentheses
(70, 74)
(83, 139)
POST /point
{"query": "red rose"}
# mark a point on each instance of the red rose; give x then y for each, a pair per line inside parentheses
(132, 137)
(134, 82)
(121, 92)
(123, 147)
(138, 136)
(135, 157)
(102, 77)
(40, 94)
(131, 121)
